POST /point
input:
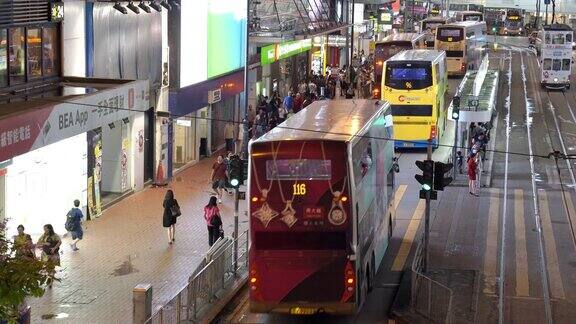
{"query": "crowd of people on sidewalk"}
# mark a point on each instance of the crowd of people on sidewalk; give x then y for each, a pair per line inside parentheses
(478, 138)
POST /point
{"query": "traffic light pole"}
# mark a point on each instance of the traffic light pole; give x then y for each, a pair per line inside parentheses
(235, 235)
(455, 148)
(427, 217)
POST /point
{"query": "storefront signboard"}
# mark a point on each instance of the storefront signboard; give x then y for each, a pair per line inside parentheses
(272, 53)
(36, 128)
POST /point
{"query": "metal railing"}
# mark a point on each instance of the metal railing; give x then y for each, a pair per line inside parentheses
(429, 297)
(216, 273)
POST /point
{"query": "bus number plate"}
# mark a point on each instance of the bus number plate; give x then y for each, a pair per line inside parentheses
(303, 311)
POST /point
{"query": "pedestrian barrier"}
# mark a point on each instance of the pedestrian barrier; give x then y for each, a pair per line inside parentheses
(429, 298)
(211, 279)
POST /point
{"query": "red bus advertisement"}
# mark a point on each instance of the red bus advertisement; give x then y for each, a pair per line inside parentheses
(310, 252)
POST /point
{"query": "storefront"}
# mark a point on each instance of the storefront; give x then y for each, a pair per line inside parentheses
(283, 65)
(328, 50)
(89, 147)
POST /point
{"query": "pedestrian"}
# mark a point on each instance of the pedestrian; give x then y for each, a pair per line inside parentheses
(459, 161)
(229, 136)
(74, 224)
(288, 102)
(50, 243)
(472, 166)
(218, 177)
(298, 101)
(23, 246)
(171, 213)
(212, 216)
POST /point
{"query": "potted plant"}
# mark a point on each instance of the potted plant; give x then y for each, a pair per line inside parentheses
(19, 278)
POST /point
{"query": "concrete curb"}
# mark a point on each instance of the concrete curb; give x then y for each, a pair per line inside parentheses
(217, 307)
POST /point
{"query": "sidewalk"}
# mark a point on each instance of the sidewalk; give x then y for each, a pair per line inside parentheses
(128, 246)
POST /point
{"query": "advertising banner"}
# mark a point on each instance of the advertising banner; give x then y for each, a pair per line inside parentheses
(32, 129)
(272, 53)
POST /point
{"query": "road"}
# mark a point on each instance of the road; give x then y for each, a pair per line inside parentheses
(517, 238)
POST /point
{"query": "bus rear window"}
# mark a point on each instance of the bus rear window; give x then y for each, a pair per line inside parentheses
(299, 169)
(410, 75)
(385, 51)
(412, 110)
(300, 240)
(472, 18)
(449, 34)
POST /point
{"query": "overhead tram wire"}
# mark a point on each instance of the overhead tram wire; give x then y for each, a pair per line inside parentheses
(543, 156)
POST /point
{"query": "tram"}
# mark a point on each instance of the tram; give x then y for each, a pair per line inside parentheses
(390, 45)
(554, 47)
(321, 188)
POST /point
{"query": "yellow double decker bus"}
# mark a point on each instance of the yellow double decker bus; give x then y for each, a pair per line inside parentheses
(414, 82)
(464, 43)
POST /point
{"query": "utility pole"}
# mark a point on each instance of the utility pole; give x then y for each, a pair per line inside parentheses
(236, 203)
(455, 117)
(246, 72)
(427, 216)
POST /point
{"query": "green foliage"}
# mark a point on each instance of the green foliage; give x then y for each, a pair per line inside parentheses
(19, 278)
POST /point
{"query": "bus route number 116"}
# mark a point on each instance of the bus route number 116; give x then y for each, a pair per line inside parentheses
(299, 189)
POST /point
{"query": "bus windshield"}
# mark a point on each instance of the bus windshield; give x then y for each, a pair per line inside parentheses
(408, 75)
(449, 34)
(431, 25)
(385, 51)
(473, 17)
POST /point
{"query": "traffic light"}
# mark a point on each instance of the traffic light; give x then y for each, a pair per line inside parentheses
(456, 107)
(236, 172)
(440, 170)
(426, 179)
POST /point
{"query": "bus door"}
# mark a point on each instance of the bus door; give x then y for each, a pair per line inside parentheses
(301, 228)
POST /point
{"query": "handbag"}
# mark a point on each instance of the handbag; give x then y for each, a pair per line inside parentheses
(175, 210)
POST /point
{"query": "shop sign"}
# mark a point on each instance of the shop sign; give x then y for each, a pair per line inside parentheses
(56, 11)
(272, 53)
(385, 18)
(37, 128)
(184, 122)
(214, 96)
(333, 41)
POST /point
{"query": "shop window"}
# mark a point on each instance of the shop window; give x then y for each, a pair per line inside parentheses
(3, 58)
(16, 55)
(34, 42)
(50, 51)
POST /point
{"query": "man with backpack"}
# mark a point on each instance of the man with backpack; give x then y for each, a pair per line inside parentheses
(74, 224)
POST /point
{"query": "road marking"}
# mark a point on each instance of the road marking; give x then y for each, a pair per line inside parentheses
(556, 287)
(398, 195)
(571, 209)
(522, 283)
(400, 259)
(491, 254)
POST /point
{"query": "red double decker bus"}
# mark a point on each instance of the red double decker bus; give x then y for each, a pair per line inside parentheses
(321, 189)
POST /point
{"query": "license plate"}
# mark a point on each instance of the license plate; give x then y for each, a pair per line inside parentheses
(408, 144)
(303, 311)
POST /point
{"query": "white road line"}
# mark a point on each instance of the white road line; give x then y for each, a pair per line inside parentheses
(505, 201)
(545, 288)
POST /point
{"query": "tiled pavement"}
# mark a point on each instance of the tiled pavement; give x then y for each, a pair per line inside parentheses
(128, 246)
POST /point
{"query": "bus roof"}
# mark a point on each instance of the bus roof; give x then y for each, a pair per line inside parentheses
(418, 55)
(408, 37)
(562, 27)
(334, 120)
(463, 24)
(468, 12)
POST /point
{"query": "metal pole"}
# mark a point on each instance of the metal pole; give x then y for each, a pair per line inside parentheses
(236, 202)
(455, 149)
(246, 87)
(352, 33)
(546, 16)
(427, 215)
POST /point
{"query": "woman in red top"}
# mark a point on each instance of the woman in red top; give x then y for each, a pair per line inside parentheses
(213, 220)
(472, 166)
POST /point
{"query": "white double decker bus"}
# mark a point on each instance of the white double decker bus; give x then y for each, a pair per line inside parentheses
(554, 45)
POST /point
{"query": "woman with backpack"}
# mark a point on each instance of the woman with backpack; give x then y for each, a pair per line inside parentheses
(213, 221)
(171, 212)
